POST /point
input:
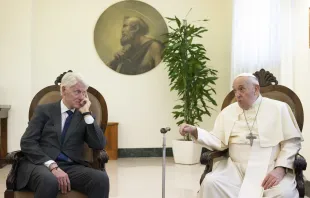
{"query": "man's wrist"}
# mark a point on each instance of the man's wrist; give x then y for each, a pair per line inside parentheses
(195, 133)
(86, 113)
(48, 163)
(283, 168)
(53, 166)
(84, 110)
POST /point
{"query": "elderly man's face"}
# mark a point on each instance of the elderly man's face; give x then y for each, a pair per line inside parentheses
(128, 31)
(245, 92)
(73, 96)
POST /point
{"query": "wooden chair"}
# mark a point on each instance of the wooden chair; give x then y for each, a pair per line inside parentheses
(270, 89)
(96, 158)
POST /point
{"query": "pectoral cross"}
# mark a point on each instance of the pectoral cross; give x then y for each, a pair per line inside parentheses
(251, 137)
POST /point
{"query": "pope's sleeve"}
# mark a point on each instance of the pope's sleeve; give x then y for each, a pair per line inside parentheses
(212, 140)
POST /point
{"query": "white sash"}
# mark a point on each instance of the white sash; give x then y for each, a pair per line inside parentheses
(256, 171)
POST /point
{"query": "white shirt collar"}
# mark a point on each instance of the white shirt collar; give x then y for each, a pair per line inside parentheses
(64, 108)
(257, 102)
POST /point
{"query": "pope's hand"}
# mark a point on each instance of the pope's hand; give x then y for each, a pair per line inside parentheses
(188, 129)
(273, 178)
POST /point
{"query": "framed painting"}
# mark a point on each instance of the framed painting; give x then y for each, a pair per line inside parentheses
(128, 37)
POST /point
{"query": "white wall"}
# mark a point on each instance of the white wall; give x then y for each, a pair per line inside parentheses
(15, 65)
(301, 69)
(62, 33)
(41, 39)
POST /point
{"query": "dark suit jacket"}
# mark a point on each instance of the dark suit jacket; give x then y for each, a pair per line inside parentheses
(41, 141)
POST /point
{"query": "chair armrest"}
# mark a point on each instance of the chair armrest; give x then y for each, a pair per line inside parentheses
(300, 165)
(101, 157)
(207, 159)
(209, 156)
(13, 158)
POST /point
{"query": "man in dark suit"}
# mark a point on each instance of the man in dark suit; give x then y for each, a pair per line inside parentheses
(53, 145)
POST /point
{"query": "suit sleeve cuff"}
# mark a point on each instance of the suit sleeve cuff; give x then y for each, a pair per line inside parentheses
(89, 119)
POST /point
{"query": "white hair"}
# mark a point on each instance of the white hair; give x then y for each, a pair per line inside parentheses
(70, 79)
(250, 76)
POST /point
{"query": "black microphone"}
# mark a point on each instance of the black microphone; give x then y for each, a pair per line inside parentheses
(165, 130)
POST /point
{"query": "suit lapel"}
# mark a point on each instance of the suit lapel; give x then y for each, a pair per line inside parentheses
(77, 116)
(56, 116)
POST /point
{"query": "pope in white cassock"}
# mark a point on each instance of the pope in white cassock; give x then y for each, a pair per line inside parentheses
(263, 138)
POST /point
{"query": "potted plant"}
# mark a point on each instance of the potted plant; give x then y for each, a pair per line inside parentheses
(192, 80)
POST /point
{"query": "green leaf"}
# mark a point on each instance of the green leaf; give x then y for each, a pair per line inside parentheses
(178, 21)
(212, 78)
(188, 73)
(171, 19)
(176, 45)
(177, 107)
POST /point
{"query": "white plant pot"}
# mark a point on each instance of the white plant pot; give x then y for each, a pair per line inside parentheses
(186, 152)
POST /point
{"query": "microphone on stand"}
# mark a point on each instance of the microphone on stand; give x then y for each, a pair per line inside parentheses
(164, 131)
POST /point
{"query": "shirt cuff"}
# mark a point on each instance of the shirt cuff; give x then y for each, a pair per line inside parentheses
(201, 135)
(48, 163)
(89, 119)
(284, 164)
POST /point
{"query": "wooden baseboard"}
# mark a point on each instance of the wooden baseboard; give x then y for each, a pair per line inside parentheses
(146, 152)
(143, 152)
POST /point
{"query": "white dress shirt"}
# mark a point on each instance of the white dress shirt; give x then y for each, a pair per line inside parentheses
(88, 119)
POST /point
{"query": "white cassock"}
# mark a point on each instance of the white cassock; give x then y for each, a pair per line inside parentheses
(241, 174)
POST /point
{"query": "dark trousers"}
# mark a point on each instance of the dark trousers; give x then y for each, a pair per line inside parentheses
(93, 183)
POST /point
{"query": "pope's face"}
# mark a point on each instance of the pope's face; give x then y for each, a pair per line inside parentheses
(245, 91)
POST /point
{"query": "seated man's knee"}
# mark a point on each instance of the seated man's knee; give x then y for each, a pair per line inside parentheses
(287, 188)
(49, 183)
(101, 179)
(209, 180)
(288, 192)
